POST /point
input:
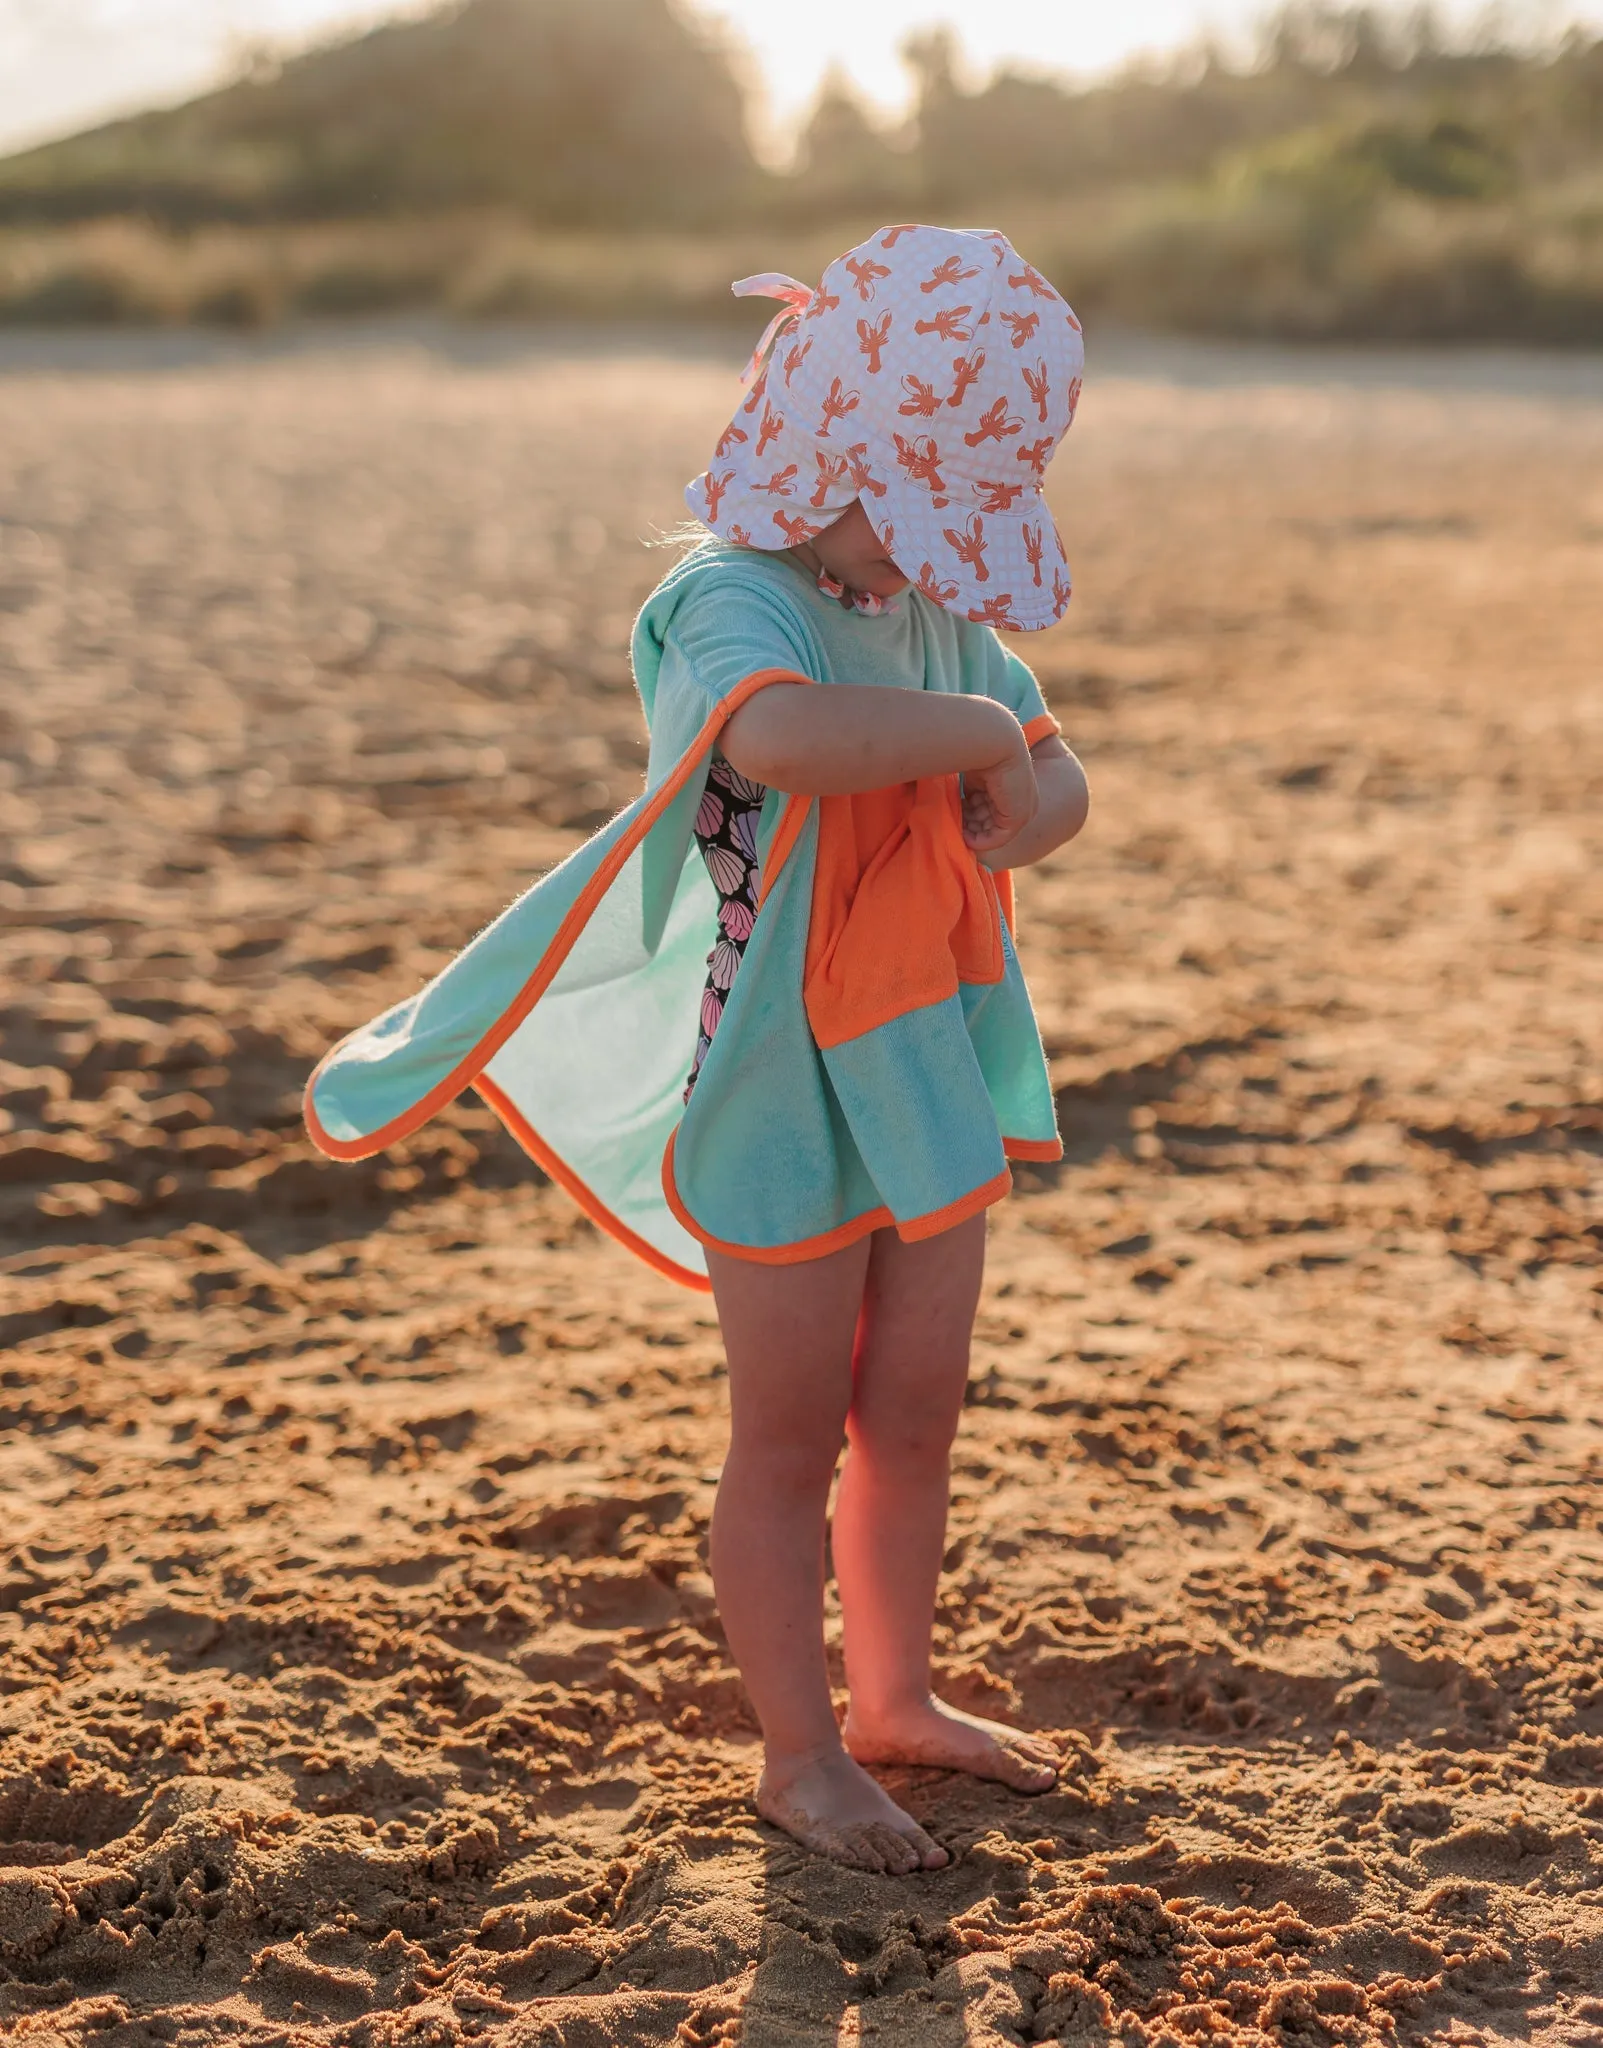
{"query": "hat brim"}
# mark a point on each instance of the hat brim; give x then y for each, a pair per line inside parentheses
(999, 567)
(992, 554)
(794, 489)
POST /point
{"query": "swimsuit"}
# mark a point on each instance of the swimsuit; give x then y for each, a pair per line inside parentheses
(726, 832)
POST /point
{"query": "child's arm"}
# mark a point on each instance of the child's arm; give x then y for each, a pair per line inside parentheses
(835, 742)
(1065, 800)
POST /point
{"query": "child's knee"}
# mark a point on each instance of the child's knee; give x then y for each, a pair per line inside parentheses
(900, 1442)
(781, 1466)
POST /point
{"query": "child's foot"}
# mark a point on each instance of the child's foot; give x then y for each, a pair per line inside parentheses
(933, 1733)
(833, 1807)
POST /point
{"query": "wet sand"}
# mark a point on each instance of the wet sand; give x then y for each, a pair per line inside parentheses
(360, 1678)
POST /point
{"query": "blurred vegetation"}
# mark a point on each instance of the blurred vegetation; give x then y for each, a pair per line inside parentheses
(569, 110)
(1361, 176)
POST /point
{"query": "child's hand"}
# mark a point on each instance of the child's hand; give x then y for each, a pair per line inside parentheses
(999, 801)
(1063, 801)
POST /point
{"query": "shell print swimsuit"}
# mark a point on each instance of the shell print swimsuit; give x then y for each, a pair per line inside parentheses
(726, 832)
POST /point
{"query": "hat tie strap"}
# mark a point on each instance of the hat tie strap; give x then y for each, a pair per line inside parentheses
(771, 284)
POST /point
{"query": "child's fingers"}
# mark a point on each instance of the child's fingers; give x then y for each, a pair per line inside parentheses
(1009, 795)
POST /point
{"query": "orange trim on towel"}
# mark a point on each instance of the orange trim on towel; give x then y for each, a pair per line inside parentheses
(843, 1234)
(769, 1255)
(562, 942)
(960, 1211)
(1044, 1150)
(562, 1173)
(786, 833)
(1041, 727)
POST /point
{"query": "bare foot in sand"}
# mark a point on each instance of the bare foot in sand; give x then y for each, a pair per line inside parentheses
(935, 1734)
(833, 1807)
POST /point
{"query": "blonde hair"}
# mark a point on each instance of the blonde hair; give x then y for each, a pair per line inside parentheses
(687, 534)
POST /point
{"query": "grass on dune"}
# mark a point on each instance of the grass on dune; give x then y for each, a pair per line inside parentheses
(1245, 254)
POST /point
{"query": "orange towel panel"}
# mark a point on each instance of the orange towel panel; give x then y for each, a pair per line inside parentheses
(902, 911)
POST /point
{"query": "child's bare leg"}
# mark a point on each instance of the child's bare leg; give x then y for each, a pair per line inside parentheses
(890, 1513)
(788, 1334)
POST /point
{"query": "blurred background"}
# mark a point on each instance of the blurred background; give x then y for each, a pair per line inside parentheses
(354, 1571)
(1324, 171)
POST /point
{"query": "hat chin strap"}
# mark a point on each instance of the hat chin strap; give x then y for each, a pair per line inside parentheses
(771, 284)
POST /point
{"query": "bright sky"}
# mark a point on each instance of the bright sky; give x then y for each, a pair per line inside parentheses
(67, 63)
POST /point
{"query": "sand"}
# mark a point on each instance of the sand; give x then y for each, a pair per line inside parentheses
(362, 1681)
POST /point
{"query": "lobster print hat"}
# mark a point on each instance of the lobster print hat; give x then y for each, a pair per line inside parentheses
(931, 374)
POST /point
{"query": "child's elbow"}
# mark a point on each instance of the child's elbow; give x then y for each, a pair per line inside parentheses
(759, 743)
(1080, 807)
(770, 765)
(1073, 805)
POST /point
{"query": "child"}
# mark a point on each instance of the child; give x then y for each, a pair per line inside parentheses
(845, 765)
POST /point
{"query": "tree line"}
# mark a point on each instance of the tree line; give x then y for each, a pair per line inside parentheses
(627, 113)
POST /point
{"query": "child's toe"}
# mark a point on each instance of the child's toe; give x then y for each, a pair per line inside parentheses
(1030, 1767)
(859, 1847)
(896, 1853)
(925, 1851)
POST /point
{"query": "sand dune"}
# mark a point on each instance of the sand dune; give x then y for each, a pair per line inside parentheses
(360, 1678)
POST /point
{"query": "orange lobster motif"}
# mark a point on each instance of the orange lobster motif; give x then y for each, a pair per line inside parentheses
(864, 273)
(1036, 453)
(727, 439)
(769, 430)
(872, 336)
(947, 324)
(863, 478)
(933, 587)
(949, 272)
(995, 611)
(970, 544)
(1062, 591)
(820, 302)
(715, 483)
(740, 537)
(921, 459)
(1036, 282)
(754, 397)
(996, 423)
(1074, 399)
(1022, 326)
(837, 404)
(965, 372)
(923, 401)
(781, 484)
(831, 469)
(1034, 542)
(892, 236)
(1002, 497)
(1038, 388)
(795, 528)
(795, 357)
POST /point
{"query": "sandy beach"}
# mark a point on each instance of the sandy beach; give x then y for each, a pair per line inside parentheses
(360, 1677)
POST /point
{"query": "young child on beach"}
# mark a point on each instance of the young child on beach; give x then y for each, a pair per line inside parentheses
(813, 1118)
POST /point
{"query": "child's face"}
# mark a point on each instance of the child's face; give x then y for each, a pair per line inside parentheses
(854, 554)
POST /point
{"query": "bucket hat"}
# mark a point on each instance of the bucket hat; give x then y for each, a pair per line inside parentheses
(932, 374)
